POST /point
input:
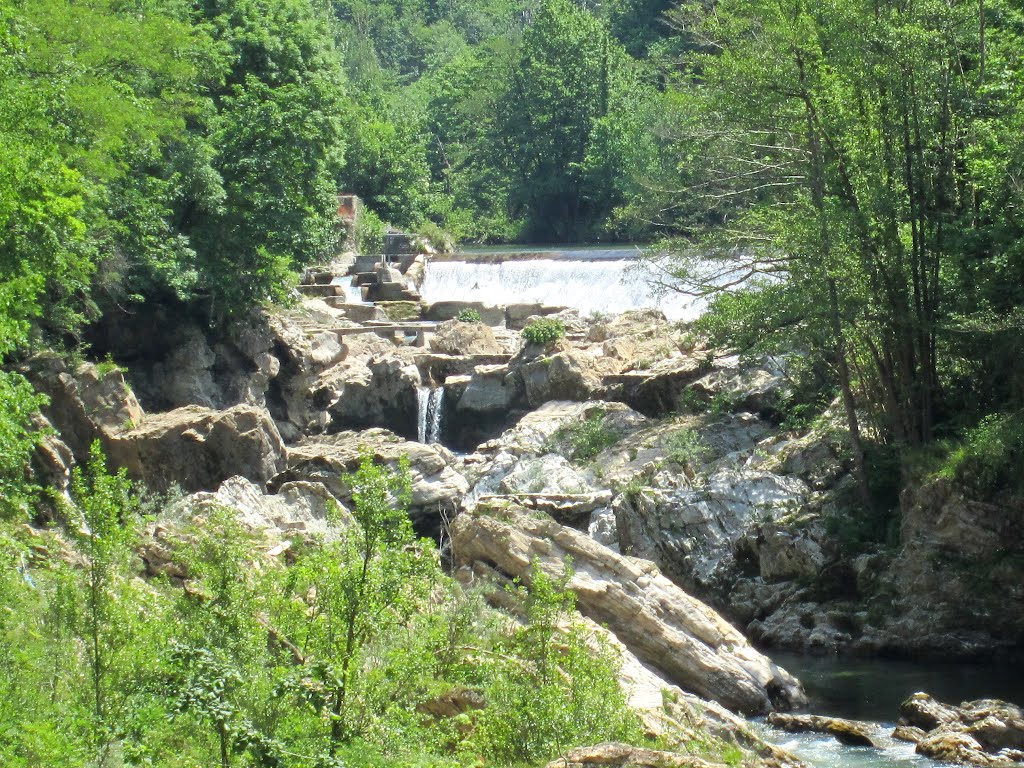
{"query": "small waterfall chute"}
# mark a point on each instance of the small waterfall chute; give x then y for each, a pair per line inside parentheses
(429, 414)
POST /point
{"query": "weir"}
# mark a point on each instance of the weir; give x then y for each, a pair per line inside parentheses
(590, 286)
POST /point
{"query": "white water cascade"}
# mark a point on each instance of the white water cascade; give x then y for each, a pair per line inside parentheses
(430, 414)
(353, 293)
(591, 286)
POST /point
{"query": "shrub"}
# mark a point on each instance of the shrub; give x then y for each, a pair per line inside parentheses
(370, 232)
(469, 315)
(586, 438)
(989, 457)
(433, 235)
(684, 447)
(554, 688)
(544, 331)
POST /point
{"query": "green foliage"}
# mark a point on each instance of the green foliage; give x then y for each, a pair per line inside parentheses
(17, 440)
(370, 231)
(988, 458)
(321, 656)
(814, 172)
(368, 581)
(557, 688)
(386, 165)
(544, 331)
(469, 316)
(103, 527)
(684, 447)
(586, 438)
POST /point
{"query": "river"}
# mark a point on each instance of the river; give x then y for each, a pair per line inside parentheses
(872, 690)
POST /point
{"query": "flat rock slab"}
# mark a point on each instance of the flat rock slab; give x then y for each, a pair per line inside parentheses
(682, 637)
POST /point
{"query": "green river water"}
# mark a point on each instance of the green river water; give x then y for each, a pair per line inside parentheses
(871, 690)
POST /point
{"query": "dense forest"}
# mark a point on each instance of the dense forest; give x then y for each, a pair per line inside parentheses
(857, 167)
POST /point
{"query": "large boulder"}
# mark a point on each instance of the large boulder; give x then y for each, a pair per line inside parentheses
(940, 515)
(298, 511)
(197, 448)
(437, 487)
(538, 427)
(850, 732)
(550, 474)
(383, 393)
(665, 627)
(690, 526)
(616, 755)
(568, 375)
(655, 390)
(761, 386)
(987, 732)
(457, 338)
(449, 310)
(518, 315)
(489, 390)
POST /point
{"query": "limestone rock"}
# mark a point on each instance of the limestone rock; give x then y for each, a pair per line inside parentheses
(849, 732)
(550, 474)
(89, 403)
(538, 426)
(449, 310)
(197, 448)
(615, 755)
(296, 511)
(691, 529)
(986, 732)
(940, 515)
(457, 338)
(489, 390)
(665, 627)
(384, 395)
(637, 323)
(436, 486)
(908, 733)
(785, 553)
(760, 387)
(922, 711)
(518, 315)
(655, 391)
(570, 375)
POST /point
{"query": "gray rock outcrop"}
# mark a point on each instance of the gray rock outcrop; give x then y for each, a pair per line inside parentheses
(437, 487)
(987, 732)
(458, 338)
(665, 627)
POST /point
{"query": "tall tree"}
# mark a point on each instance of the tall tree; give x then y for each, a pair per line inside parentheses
(279, 149)
(562, 83)
(840, 145)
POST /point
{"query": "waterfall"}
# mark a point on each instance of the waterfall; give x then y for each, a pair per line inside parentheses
(430, 414)
(588, 285)
(436, 413)
(353, 293)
